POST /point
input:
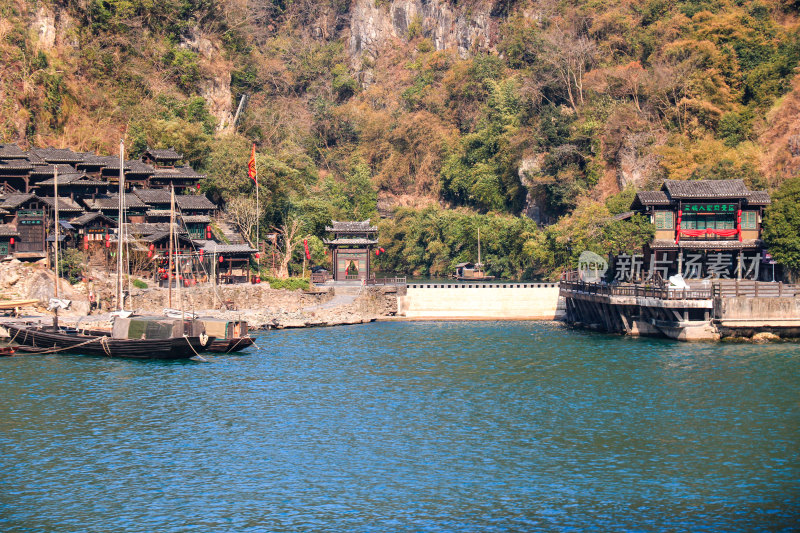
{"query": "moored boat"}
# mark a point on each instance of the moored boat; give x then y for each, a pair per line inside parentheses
(138, 338)
(230, 335)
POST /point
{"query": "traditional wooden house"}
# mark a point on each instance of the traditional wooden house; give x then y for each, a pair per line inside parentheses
(75, 185)
(135, 209)
(181, 178)
(350, 249)
(9, 236)
(94, 231)
(713, 224)
(15, 168)
(29, 219)
(230, 263)
(161, 158)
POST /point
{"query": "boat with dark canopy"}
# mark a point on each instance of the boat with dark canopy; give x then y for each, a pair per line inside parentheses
(135, 337)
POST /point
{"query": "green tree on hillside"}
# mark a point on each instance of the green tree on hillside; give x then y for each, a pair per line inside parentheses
(781, 230)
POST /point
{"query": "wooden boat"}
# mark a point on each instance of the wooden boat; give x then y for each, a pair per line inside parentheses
(14, 304)
(5, 351)
(48, 339)
(230, 335)
(472, 271)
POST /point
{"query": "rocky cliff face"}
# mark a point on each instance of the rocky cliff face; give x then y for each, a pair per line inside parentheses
(373, 25)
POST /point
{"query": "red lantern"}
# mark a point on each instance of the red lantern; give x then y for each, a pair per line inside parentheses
(198, 186)
(108, 244)
(258, 255)
(377, 252)
(382, 251)
(201, 253)
(152, 247)
(11, 241)
(258, 279)
(221, 259)
(149, 254)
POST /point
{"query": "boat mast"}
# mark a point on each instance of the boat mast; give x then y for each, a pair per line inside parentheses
(171, 225)
(479, 247)
(55, 185)
(121, 223)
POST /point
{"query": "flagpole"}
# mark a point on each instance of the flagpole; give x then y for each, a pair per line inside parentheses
(258, 217)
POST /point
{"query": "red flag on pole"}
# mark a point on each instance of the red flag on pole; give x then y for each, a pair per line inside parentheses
(251, 165)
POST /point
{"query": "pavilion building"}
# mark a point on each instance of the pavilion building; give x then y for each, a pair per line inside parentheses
(350, 249)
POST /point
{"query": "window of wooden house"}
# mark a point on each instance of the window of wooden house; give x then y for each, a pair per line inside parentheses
(749, 220)
(665, 219)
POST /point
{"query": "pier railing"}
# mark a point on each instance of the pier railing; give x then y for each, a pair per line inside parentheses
(719, 288)
(637, 291)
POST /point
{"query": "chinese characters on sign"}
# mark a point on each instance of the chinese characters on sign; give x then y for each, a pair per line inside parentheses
(709, 208)
(724, 265)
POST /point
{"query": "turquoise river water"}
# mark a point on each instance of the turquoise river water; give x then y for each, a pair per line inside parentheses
(408, 426)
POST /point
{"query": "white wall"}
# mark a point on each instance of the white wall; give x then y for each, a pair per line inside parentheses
(480, 301)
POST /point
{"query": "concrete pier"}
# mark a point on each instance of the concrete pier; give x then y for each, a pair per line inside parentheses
(480, 301)
(720, 309)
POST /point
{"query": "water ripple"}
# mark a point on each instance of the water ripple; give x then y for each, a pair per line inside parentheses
(428, 426)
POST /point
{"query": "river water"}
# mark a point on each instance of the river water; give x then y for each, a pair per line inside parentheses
(408, 426)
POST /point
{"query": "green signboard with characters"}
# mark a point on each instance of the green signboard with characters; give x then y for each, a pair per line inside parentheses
(709, 208)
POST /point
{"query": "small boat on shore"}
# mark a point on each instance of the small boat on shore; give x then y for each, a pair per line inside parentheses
(229, 335)
(472, 271)
(136, 338)
(6, 351)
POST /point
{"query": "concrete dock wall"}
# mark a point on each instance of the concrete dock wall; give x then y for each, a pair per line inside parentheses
(487, 301)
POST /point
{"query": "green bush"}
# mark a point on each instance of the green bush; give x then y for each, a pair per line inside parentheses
(71, 263)
(291, 284)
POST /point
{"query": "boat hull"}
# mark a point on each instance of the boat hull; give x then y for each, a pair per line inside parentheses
(45, 341)
(230, 345)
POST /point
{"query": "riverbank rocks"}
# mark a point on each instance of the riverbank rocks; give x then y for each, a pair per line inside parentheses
(765, 336)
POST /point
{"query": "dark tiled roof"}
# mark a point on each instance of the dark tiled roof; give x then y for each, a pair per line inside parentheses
(194, 201)
(88, 217)
(652, 198)
(355, 242)
(49, 170)
(211, 247)
(706, 245)
(147, 228)
(153, 196)
(6, 230)
(196, 218)
(176, 173)
(112, 202)
(75, 178)
(16, 164)
(758, 198)
(11, 151)
(11, 201)
(354, 227)
(65, 204)
(168, 154)
(57, 155)
(135, 166)
(679, 189)
(93, 160)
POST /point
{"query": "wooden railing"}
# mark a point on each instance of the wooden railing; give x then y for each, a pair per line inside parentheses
(719, 288)
(637, 291)
(765, 289)
(387, 281)
(320, 277)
